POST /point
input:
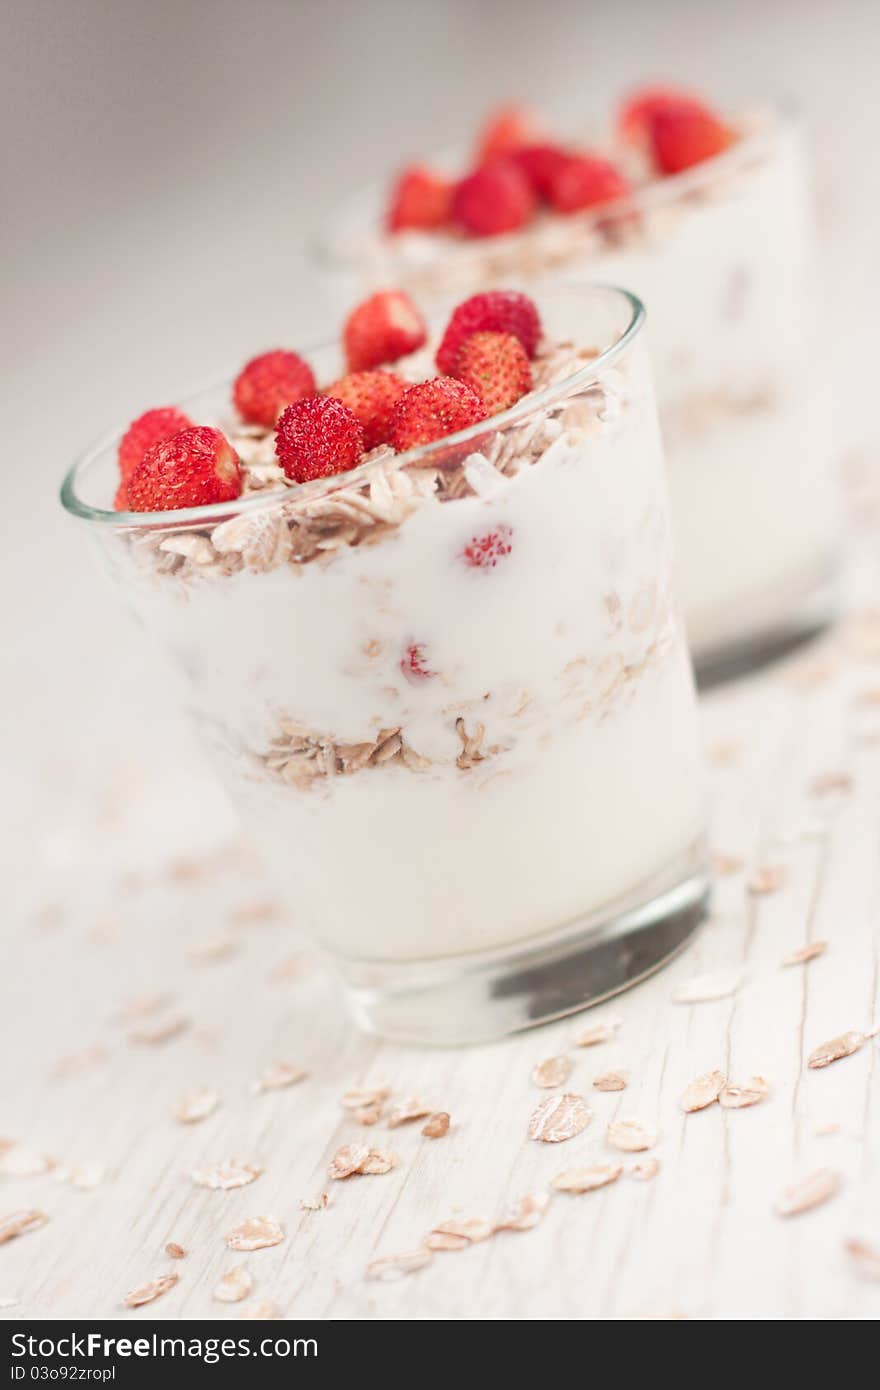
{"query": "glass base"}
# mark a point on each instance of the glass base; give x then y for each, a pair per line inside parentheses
(778, 630)
(474, 998)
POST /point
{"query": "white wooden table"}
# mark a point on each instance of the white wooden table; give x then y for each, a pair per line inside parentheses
(148, 892)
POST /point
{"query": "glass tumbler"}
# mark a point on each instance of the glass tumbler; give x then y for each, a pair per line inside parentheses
(450, 692)
(721, 256)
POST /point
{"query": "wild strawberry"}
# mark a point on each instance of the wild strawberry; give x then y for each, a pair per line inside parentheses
(506, 129)
(496, 198)
(684, 135)
(433, 409)
(381, 329)
(149, 429)
(636, 114)
(419, 199)
(496, 311)
(194, 468)
(270, 382)
(484, 552)
(414, 664)
(317, 437)
(495, 367)
(583, 181)
(371, 398)
(539, 163)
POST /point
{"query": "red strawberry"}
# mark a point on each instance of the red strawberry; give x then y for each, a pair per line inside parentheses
(495, 367)
(120, 500)
(496, 311)
(496, 198)
(149, 429)
(194, 468)
(506, 129)
(636, 114)
(684, 135)
(584, 181)
(431, 410)
(484, 552)
(371, 398)
(270, 382)
(414, 664)
(317, 437)
(539, 163)
(419, 199)
(381, 329)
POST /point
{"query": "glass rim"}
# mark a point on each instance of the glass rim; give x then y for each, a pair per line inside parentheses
(331, 254)
(220, 511)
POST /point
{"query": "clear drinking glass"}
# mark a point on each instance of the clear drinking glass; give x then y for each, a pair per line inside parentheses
(450, 692)
(721, 256)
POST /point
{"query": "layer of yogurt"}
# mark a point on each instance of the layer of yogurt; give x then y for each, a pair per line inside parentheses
(441, 756)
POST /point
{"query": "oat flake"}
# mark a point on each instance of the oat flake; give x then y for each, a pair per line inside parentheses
(406, 1110)
(597, 1033)
(358, 1097)
(734, 1097)
(347, 1161)
(160, 1032)
(631, 1136)
(809, 1192)
(436, 1125)
(20, 1162)
(19, 1223)
(864, 1260)
(703, 1091)
(146, 1293)
(390, 1267)
(703, 989)
(256, 1233)
(832, 1051)
(315, 1203)
(174, 1251)
(551, 1072)
(277, 1077)
(767, 880)
(806, 953)
(725, 865)
(195, 1106)
(234, 1285)
(644, 1169)
(578, 1180)
(559, 1118)
(459, 1232)
(223, 1176)
(264, 1310)
(611, 1081)
(523, 1214)
(378, 1161)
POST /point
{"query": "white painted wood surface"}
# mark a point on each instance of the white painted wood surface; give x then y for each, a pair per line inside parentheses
(108, 921)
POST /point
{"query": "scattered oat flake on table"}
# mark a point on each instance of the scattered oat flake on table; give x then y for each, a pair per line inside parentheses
(378, 1161)
(347, 1161)
(459, 1232)
(75, 1062)
(823, 1131)
(579, 1180)
(559, 1118)
(724, 752)
(389, 1267)
(196, 1105)
(436, 1125)
(224, 1176)
(726, 864)
(738, 1097)
(767, 880)
(152, 1289)
(277, 1077)
(163, 1030)
(264, 1310)
(644, 1169)
(214, 949)
(828, 782)
(704, 1090)
(551, 1072)
(704, 989)
(86, 1176)
(19, 1223)
(524, 1214)
(315, 1203)
(611, 1081)
(835, 1048)
(261, 910)
(631, 1136)
(864, 1260)
(174, 1251)
(406, 1110)
(257, 1233)
(234, 1285)
(141, 1006)
(597, 1033)
(360, 1096)
(809, 1192)
(17, 1161)
(806, 953)
(368, 1114)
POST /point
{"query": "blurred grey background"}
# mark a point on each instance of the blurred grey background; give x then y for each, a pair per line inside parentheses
(164, 162)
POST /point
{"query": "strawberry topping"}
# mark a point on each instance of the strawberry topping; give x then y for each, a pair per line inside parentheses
(636, 114)
(194, 468)
(496, 198)
(371, 397)
(495, 311)
(495, 367)
(433, 409)
(683, 135)
(381, 329)
(484, 552)
(149, 429)
(506, 129)
(539, 163)
(414, 664)
(317, 437)
(420, 199)
(270, 382)
(583, 181)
